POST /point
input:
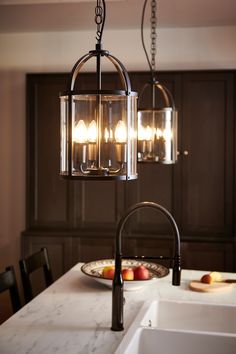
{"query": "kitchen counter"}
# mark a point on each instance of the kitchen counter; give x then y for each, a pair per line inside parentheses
(73, 316)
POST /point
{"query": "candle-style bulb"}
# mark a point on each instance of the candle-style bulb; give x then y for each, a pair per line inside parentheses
(159, 133)
(80, 132)
(92, 132)
(106, 135)
(148, 133)
(120, 132)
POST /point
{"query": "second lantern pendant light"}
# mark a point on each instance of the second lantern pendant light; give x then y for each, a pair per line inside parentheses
(157, 117)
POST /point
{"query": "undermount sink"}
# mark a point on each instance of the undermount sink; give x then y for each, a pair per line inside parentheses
(181, 327)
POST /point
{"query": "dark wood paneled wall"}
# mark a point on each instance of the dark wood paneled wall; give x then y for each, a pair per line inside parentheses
(77, 220)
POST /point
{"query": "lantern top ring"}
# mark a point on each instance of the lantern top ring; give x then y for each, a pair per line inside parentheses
(98, 92)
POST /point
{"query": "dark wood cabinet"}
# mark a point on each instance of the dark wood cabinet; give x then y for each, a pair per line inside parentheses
(49, 203)
(77, 220)
(207, 171)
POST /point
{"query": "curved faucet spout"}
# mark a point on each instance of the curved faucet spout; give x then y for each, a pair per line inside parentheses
(117, 286)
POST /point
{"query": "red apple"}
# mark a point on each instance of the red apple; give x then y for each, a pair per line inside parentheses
(108, 272)
(127, 274)
(207, 279)
(141, 273)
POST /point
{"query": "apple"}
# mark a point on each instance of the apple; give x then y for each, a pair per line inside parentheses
(108, 272)
(141, 273)
(207, 279)
(216, 276)
(127, 274)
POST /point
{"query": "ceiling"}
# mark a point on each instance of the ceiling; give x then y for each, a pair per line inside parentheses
(72, 15)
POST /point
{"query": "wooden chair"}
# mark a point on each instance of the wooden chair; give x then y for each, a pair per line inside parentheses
(8, 282)
(29, 265)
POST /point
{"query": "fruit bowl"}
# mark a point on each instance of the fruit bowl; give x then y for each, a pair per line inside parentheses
(94, 270)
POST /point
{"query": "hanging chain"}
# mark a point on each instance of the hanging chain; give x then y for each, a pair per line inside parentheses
(153, 21)
(99, 19)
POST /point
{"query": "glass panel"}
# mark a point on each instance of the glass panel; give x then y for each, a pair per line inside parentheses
(157, 135)
(132, 131)
(104, 136)
(64, 135)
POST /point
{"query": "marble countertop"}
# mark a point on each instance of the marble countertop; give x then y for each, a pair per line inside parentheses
(73, 316)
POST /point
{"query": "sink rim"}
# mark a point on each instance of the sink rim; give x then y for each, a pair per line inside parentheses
(156, 303)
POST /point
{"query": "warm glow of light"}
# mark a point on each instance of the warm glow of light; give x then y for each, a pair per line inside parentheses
(145, 133)
(120, 132)
(80, 133)
(159, 133)
(106, 135)
(132, 134)
(92, 132)
(111, 134)
(148, 133)
(141, 132)
(167, 134)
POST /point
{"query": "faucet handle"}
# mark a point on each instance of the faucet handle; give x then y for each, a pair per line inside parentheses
(176, 275)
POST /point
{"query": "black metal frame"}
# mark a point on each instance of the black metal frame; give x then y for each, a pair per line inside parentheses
(98, 53)
(117, 285)
(167, 96)
(70, 93)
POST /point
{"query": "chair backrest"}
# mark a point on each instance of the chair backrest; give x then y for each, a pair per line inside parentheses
(8, 282)
(29, 265)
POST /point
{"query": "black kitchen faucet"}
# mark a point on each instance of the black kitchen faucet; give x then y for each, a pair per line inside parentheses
(117, 285)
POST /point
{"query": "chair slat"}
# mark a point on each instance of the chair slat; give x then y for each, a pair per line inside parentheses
(31, 264)
(8, 282)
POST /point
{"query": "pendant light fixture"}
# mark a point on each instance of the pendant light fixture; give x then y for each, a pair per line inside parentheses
(157, 121)
(99, 127)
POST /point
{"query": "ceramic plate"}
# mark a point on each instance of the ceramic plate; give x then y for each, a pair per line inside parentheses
(94, 270)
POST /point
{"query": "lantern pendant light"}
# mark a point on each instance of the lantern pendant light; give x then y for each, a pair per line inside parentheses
(99, 127)
(157, 122)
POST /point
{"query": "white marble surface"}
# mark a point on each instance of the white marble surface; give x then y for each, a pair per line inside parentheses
(73, 316)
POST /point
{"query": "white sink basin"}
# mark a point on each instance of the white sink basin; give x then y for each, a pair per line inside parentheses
(191, 316)
(167, 327)
(154, 341)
